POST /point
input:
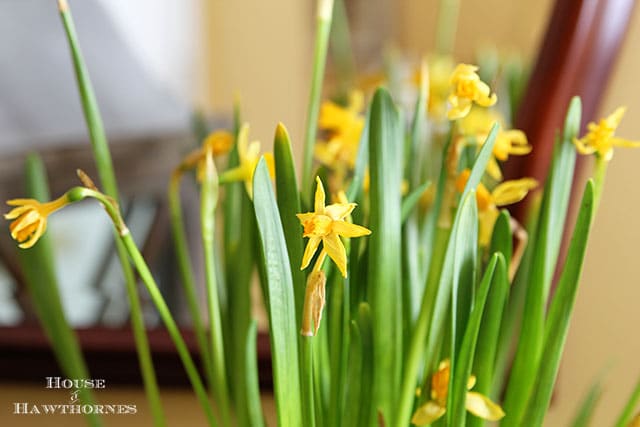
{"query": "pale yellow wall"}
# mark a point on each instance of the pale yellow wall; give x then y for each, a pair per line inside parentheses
(260, 50)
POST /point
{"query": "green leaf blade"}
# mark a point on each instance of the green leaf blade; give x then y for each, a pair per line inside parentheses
(385, 156)
(281, 305)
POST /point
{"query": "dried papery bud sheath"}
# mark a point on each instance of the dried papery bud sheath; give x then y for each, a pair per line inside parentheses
(314, 301)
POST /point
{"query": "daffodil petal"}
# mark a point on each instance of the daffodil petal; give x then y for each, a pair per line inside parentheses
(319, 198)
(23, 222)
(471, 382)
(339, 211)
(42, 226)
(336, 251)
(493, 169)
(346, 229)
(243, 141)
(482, 407)
(310, 250)
(18, 202)
(512, 191)
(582, 147)
(427, 413)
(303, 217)
(620, 142)
(16, 212)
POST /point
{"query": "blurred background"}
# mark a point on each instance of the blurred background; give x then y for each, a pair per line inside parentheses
(156, 62)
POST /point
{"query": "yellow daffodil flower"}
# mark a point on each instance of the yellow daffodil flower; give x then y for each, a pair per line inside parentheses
(30, 218)
(478, 123)
(504, 194)
(326, 224)
(476, 403)
(343, 127)
(249, 155)
(219, 142)
(600, 137)
(467, 88)
(635, 422)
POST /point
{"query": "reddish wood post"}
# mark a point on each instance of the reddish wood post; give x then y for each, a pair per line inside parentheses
(577, 54)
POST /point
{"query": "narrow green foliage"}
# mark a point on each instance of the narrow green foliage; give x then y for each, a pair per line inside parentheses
(239, 260)
(38, 266)
(172, 328)
(366, 412)
(183, 257)
(341, 51)
(410, 202)
(289, 205)
(281, 306)
(549, 236)
(502, 237)
(323, 29)
(435, 300)
(485, 357)
(628, 411)
(254, 410)
(465, 255)
(385, 156)
(588, 405)
(456, 411)
(560, 311)
(208, 204)
(104, 165)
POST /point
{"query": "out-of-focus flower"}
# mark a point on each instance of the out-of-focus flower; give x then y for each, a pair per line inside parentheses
(505, 193)
(440, 69)
(476, 403)
(467, 88)
(477, 125)
(342, 127)
(601, 139)
(326, 224)
(30, 218)
(249, 155)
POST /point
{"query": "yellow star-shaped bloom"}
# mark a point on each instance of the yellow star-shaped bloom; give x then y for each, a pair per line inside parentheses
(513, 142)
(326, 224)
(601, 139)
(248, 154)
(343, 127)
(30, 218)
(505, 193)
(476, 403)
(467, 88)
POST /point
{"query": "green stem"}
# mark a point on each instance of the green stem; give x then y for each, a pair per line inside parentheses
(106, 173)
(188, 281)
(323, 29)
(208, 201)
(421, 330)
(627, 412)
(599, 177)
(170, 324)
(447, 26)
(124, 236)
(306, 352)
